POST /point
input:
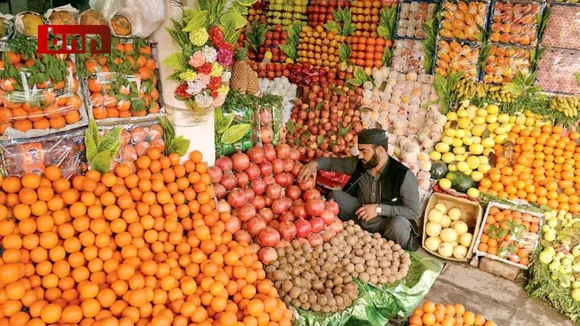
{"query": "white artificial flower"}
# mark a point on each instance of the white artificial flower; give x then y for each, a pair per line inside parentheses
(210, 54)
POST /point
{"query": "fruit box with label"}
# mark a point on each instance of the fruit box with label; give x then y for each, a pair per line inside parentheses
(450, 224)
(509, 234)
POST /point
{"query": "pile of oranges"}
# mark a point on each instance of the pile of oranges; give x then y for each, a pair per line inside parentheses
(540, 165)
(122, 248)
(446, 315)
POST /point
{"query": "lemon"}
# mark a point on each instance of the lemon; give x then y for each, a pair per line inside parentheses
(476, 176)
(449, 132)
(447, 140)
(473, 162)
(492, 109)
(462, 167)
(471, 111)
(448, 157)
(442, 147)
(445, 183)
(530, 122)
(464, 123)
(478, 130)
(484, 168)
(507, 126)
(435, 156)
(491, 118)
(499, 139)
(512, 119)
(268, 55)
(500, 130)
(459, 150)
(460, 157)
(476, 149)
(488, 151)
(472, 192)
(482, 159)
(481, 113)
(459, 133)
(476, 140)
(461, 113)
(457, 142)
(488, 142)
(503, 118)
(479, 121)
(452, 167)
(467, 141)
(451, 116)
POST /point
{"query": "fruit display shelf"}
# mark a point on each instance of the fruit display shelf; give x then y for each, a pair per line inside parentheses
(319, 47)
(453, 56)
(515, 23)
(462, 20)
(285, 12)
(366, 15)
(412, 16)
(504, 62)
(321, 11)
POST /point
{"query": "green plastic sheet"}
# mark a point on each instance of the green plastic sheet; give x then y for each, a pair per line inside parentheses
(377, 304)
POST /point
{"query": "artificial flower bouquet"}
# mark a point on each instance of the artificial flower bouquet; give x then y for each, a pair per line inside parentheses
(203, 67)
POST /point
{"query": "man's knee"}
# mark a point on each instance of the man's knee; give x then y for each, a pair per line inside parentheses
(398, 229)
(398, 223)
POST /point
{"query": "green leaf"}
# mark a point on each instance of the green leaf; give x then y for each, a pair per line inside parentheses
(577, 75)
(235, 18)
(332, 26)
(355, 82)
(360, 74)
(179, 145)
(91, 140)
(226, 122)
(297, 142)
(343, 131)
(344, 52)
(289, 50)
(235, 133)
(176, 61)
(387, 57)
(245, 3)
(198, 20)
(110, 139)
(102, 162)
(137, 105)
(319, 139)
(319, 105)
(291, 127)
(203, 4)
(258, 35)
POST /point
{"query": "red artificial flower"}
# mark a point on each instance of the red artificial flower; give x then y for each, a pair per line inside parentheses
(215, 83)
(214, 94)
(181, 91)
(205, 69)
(216, 35)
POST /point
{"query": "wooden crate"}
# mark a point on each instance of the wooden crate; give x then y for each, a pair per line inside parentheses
(470, 209)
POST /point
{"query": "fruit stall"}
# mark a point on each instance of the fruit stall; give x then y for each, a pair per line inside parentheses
(158, 184)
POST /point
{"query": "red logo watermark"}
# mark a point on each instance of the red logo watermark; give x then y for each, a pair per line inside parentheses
(83, 30)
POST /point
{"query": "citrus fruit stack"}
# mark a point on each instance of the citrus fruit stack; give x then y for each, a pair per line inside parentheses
(49, 103)
(123, 84)
(145, 248)
(446, 315)
(540, 165)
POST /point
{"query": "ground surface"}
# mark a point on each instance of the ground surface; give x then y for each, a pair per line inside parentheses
(498, 299)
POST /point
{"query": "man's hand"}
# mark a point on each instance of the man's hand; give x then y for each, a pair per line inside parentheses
(308, 171)
(367, 212)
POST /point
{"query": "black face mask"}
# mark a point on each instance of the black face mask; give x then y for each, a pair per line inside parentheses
(373, 162)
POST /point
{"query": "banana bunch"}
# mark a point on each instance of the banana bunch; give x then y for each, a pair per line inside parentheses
(569, 105)
(467, 89)
(501, 94)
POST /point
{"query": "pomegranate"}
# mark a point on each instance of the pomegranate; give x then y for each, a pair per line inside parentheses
(299, 211)
(307, 184)
(243, 179)
(229, 181)
(237, 198)
(328, 216)
(273, 191)
(259, 186)
(265, 168)
(278, 166)
(215, 174)
(293, 192)
(288, 165)
(243, 236)
(268, 237)
(266, 213)
(269, 152)
(311, 194)
(256, 154)
(256, 224)
(279, 206)
(225, 163)
(269, 180)
(246, 212)
(259, 202)
(267, 255)
(303, 228)
(253, 172)
(315, 240)
(283, 151)
(287, 230)
(220, 191)
(317, 224)
(333, 206)
(314, 207)
(240, 161)
(288, 216)
(233, 225)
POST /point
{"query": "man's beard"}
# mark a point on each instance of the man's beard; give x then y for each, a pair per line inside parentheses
(372, 163)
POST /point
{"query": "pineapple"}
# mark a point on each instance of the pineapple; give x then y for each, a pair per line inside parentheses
(239, 81)
(253, 83)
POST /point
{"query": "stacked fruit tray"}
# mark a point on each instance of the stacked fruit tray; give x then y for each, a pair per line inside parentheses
(459, 44)
(285, 12)
(412, 16)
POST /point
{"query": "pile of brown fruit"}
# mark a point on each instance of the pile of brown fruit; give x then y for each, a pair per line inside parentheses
(322, 278)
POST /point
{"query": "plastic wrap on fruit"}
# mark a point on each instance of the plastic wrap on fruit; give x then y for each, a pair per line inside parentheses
(63, 15)
(563, 28)
(556, 71)
(515, 23)
(6, 26)
(26, 24)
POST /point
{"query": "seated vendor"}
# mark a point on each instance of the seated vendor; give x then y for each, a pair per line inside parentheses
(382, 195)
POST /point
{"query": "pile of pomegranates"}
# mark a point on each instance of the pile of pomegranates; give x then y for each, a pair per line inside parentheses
(325, 121)
(267, 203)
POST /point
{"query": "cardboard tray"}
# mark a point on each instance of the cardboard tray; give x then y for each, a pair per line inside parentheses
(468, 207)
(494, 257)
